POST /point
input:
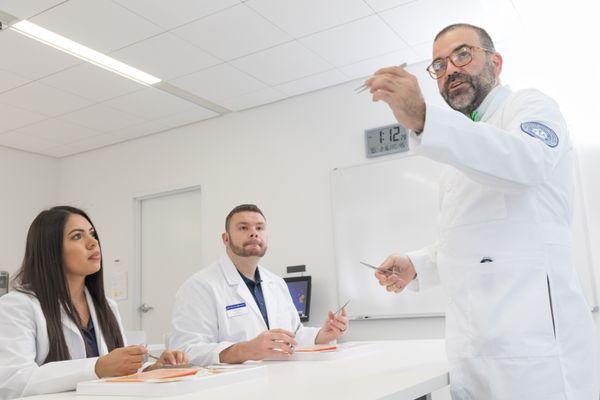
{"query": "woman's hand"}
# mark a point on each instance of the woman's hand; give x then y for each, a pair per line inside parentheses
(122, 361)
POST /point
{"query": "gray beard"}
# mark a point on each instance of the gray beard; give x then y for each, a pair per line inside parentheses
(467, 99)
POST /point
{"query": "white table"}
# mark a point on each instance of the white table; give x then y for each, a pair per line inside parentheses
(398, 370)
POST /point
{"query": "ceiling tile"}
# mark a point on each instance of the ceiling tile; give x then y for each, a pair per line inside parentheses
(57, 131)
(232, 33)
(102, 118)
(22, 141)
(282, 63)
(300, 18)
(166, 56)
(313, 82)
(99, 24)
(8, 80)
(173, 13)
(218, 82)
(140, 130)
(25, 9)
(188, 117)
(368, 67)
(95, 142)
(30, 58)
(359, 40)
(13, 117)
(92, 82)
(424, 50)
(380, 5)
(43, 99)
(150, 104)
(407, 20)
(60, 151)
(260, 97)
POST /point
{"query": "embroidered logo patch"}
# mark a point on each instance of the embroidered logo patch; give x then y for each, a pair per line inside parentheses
(540, 131)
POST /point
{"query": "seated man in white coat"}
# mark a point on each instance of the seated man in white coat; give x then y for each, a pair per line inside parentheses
(235, 310)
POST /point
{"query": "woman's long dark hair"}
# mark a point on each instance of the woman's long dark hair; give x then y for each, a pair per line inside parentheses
(42, 274)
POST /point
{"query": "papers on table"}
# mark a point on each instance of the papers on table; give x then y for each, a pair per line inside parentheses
(172, 382)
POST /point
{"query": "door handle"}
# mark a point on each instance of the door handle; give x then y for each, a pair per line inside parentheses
(144, 308)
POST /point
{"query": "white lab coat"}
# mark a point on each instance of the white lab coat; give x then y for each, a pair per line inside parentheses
(208, 315)
(24, 347)
(517, 327)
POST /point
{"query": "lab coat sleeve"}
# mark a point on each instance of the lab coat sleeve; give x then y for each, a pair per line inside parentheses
(19, 373)
(195, 324)
(424, 261)
(506, 158)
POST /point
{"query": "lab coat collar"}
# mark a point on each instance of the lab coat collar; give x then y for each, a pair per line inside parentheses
(232, 276)
(102, 348)
(70, 325)
(493, 101)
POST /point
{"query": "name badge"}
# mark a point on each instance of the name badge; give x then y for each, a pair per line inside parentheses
(234, 310)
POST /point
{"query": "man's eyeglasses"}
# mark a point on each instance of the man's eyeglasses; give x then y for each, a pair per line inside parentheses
(459, 58)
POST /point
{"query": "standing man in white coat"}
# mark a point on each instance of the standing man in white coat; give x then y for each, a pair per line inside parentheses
(517, 323)
(235, 310)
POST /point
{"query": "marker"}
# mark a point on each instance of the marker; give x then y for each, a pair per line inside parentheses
(383, 271)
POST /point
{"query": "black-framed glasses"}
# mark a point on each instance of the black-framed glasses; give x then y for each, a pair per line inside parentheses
(459, 58)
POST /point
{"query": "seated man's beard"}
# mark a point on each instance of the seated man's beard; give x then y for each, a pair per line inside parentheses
(242, 252)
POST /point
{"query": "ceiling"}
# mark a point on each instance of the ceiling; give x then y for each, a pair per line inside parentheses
(224, 55)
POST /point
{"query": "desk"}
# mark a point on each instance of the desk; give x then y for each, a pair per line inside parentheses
(396, 370)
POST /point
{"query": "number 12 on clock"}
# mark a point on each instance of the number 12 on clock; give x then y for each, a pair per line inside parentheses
(387, 139)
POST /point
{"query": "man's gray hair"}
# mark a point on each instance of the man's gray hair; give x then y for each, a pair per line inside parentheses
(484, 37)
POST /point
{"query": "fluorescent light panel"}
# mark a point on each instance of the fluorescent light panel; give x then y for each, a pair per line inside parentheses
(59, 42)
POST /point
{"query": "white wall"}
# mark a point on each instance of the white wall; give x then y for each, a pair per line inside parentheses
(29, 183)
(277, 156)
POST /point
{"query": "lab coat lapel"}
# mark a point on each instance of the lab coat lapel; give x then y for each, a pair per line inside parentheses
(234, 279)
(269, 294)
(493, 101)
(72, 336)
(102, 348)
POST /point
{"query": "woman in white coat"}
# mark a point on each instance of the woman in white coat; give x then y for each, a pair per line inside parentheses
(57, 328)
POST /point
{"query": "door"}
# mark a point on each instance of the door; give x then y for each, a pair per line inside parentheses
(169, 254)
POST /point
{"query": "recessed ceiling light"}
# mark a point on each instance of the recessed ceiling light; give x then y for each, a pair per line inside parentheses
(62, 43)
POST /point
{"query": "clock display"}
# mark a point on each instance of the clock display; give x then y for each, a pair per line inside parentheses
(386, 140)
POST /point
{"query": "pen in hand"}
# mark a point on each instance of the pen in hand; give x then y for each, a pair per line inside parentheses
(364, 86)
(341, 308)
(383, 271)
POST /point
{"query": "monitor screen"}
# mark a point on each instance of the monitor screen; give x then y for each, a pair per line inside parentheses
(299, 288)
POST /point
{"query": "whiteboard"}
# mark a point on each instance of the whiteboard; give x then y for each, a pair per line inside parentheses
(392, 206)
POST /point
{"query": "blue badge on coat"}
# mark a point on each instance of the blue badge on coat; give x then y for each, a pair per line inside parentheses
(540, 131)
(234, 306)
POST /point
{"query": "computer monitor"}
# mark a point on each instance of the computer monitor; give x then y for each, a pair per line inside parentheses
(299, 288)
